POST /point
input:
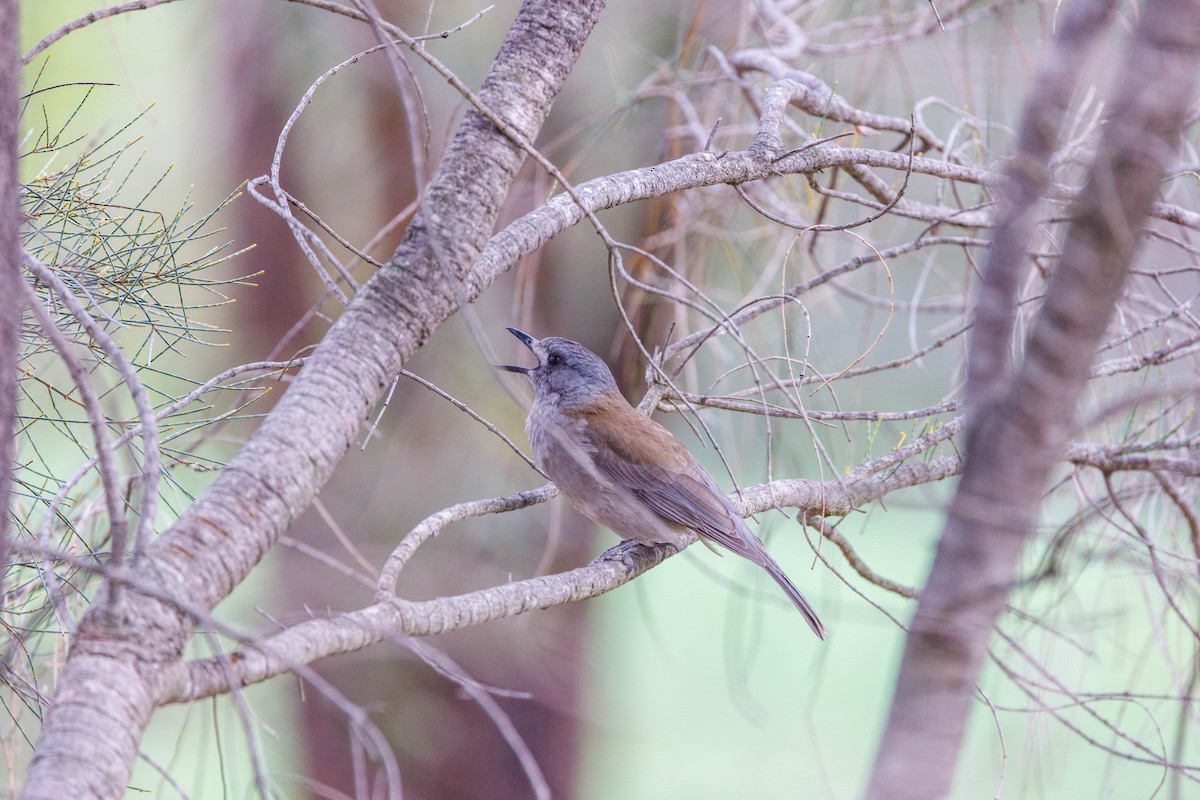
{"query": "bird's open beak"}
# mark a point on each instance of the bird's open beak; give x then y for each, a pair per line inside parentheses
(526, 340)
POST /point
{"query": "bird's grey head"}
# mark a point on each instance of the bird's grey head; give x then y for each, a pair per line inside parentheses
(566, 373)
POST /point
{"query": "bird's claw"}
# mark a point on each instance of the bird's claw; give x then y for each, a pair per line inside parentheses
(631, 553)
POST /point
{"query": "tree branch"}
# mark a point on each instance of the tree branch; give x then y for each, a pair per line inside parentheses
(1028, 178)
(1011, 449)
(109, 683)
(390, 616)
(10, 256)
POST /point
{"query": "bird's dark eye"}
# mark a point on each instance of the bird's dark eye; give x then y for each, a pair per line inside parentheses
(553, 360)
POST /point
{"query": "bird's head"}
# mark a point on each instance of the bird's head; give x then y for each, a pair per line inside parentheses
(567, 373)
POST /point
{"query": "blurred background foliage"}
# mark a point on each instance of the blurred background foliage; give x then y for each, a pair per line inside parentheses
(697, 681)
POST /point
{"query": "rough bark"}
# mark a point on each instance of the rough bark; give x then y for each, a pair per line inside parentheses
(1011, 449)
(10, 252)
(108, 686)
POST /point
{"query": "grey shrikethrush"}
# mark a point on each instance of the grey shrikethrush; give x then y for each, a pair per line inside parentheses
(623, 470)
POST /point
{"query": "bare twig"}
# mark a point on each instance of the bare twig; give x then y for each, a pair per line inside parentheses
(148, 429)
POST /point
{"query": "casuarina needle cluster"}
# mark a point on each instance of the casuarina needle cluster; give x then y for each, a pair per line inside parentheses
(622, 469)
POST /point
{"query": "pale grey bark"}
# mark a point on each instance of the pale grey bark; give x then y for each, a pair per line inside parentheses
(1029, 177)
(533, 230)
(1011, 449)
(390, 617)
(10, 254)
(109, 684)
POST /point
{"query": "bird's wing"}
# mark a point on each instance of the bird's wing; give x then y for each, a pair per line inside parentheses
(645, 460)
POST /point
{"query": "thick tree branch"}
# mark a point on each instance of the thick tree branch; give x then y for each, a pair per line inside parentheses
(696, 170)
(109, 683)
(1028, 178)
(1010, 451)
(10, 255)
(390, 616)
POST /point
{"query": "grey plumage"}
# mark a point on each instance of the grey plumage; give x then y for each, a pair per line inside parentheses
(622, 469)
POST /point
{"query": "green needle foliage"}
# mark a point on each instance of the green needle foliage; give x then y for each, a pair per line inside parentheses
(149, 272)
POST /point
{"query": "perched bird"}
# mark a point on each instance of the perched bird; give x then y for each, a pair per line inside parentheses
(622, 469)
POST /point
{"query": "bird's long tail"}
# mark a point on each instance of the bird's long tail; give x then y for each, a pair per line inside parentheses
(776, 572)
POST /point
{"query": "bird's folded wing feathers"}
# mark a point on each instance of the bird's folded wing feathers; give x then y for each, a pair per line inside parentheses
(652, 466)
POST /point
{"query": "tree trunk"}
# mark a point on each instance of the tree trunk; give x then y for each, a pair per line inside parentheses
(106, 693)
(1012, 447)
(10, 252)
